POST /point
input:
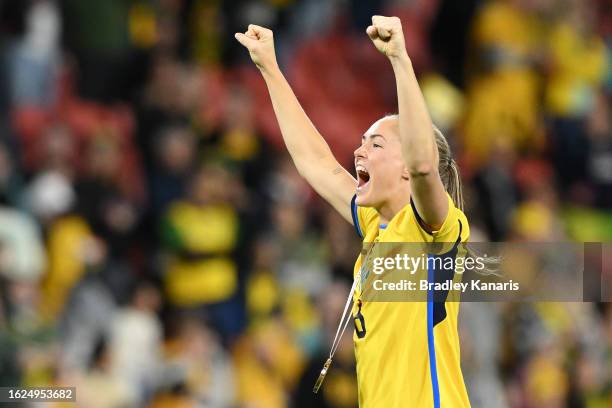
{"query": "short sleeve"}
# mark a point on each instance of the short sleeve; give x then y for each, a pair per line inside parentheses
(453, 229)
(363, 218)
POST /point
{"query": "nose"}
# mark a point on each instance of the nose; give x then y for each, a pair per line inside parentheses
(360, 152)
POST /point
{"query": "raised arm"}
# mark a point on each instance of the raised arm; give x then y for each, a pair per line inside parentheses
(419, 148)
(309, 151)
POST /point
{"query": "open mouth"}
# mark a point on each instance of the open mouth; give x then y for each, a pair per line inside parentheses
(363, 177)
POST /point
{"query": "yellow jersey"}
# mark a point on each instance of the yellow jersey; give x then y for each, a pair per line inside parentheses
(407, 352)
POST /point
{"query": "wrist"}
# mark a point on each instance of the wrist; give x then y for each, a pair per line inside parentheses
(270, 69)
(400, 60)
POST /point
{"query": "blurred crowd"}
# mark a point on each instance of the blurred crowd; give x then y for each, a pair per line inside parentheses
(158, 248)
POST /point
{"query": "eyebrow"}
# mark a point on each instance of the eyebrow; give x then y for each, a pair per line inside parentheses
(364, 137)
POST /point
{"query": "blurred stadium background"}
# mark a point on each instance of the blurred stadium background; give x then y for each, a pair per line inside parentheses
(157, 247)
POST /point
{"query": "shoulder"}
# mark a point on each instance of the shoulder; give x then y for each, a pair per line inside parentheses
(454, 228)
(365, 219)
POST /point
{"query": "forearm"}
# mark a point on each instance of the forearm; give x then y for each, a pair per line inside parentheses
(309, 151)
(419, 148)
(304, 143)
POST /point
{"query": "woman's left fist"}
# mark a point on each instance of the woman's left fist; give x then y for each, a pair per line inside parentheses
(387, 35)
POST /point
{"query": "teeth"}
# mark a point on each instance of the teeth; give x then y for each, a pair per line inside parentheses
(362, 169)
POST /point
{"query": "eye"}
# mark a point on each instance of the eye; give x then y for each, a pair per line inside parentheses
(376, 145)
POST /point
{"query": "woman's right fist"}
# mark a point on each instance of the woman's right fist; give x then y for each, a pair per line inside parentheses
(260, 43)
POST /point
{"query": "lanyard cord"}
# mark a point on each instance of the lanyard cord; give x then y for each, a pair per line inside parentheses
(343, 323)
(346, 317)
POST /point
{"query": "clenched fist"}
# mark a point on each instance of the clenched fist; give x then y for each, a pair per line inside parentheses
(260, 43)
(387, 35)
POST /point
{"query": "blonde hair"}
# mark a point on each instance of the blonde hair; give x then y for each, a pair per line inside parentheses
(448, 169)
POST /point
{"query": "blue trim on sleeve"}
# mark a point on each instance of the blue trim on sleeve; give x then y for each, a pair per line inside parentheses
(422, 223)
(355, 217)
(430, 339)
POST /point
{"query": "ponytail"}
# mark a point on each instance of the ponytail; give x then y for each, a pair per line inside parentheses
(449, 173)
(448, 169)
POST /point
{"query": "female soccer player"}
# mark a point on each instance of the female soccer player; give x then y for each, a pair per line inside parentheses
(407, 190)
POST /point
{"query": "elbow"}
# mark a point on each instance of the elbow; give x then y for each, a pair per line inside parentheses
(420, 164)
(421, 169)
(302, 169)
(305, 168)
(422, 161)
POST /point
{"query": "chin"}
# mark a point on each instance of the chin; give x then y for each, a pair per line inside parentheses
(363, 200)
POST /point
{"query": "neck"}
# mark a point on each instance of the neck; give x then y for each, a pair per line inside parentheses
(394, 205)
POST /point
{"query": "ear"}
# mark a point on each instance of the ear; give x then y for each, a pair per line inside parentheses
(405, 174)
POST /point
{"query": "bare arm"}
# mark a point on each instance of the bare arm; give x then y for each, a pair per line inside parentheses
(419, 148)
(309, 151)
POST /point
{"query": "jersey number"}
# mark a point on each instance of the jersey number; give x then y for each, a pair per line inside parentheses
(360, 327)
